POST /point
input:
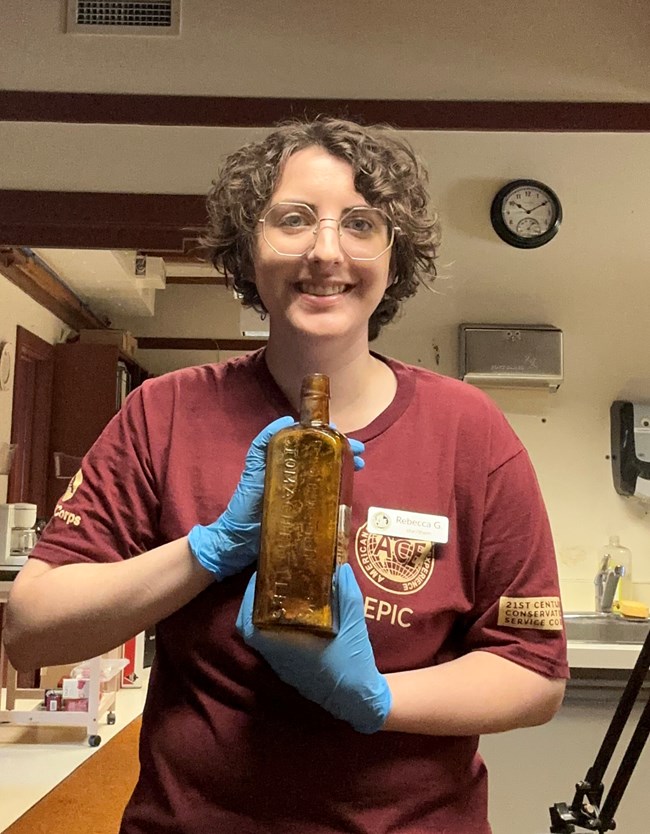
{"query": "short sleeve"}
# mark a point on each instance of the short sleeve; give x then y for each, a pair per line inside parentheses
(517, 612)
(110, 508)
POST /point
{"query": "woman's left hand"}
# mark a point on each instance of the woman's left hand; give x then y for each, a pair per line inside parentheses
(338, 673)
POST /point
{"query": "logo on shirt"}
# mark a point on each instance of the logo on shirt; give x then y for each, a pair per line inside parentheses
(381, 520)
(66, 516)
(73, 486)
(397, 565)
(542, 613)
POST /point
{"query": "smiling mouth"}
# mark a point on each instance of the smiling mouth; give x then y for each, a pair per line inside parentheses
(322, 290)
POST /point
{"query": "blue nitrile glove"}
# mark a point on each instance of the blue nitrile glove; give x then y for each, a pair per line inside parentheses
(232, 542)
(357, 450)
(338, 673)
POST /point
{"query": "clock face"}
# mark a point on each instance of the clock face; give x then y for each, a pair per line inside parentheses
(5, 365)
(526, 214)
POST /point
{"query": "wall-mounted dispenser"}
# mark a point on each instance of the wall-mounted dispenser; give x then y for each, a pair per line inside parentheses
(630, 430)
(511, 355)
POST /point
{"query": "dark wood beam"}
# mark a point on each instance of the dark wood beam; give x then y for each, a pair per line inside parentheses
(180, 343)
(418, 114)
(158, 223)
(41, 285)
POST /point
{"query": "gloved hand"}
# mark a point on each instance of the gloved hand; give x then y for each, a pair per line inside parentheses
(232, 542)
(357, 450)
(337, 673)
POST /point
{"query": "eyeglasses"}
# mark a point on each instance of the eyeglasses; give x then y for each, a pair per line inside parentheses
(291, 229)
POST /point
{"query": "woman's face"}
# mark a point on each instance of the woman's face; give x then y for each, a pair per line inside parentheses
(323, 293)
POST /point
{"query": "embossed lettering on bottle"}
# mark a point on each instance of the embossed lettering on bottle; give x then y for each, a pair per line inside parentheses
(305, 519)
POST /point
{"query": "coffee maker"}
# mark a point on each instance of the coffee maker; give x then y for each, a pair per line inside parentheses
(17, 534)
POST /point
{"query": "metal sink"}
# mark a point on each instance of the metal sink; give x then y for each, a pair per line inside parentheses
(591, 627)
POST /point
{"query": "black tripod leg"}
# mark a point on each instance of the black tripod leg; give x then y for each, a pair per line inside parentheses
(626, 768)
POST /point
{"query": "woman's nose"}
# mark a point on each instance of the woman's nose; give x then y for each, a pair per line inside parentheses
(327, 244)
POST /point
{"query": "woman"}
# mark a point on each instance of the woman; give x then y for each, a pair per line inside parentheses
(444, 636)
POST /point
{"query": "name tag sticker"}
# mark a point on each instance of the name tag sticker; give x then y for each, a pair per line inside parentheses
(403, 524)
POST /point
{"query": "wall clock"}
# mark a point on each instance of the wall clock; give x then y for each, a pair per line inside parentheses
(5, 365)
(526, 213)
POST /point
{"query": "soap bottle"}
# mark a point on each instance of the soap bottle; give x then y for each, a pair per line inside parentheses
(614, 555)
(305, 519)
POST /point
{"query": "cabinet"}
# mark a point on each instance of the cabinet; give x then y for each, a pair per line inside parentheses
(90, 382)
(533, 768)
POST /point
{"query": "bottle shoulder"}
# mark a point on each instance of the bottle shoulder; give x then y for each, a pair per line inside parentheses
(307, 442)
(300, 432)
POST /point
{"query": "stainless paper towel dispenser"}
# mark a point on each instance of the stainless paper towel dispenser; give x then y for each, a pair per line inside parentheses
(511, 355)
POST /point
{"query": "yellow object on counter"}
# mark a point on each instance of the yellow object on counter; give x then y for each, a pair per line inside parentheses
(631, 608)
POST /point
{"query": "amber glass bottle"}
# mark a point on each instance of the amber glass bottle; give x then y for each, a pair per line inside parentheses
(305, 519)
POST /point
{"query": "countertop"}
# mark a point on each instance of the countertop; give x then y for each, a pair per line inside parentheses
(602, 655)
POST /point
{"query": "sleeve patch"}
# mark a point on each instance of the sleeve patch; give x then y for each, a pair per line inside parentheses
(542, 613)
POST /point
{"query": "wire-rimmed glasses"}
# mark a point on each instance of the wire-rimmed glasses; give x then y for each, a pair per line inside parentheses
(291, 229)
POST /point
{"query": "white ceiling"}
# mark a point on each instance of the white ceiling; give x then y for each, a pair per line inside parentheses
(107, 281)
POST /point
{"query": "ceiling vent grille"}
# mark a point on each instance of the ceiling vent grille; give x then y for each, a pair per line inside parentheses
(94, 17)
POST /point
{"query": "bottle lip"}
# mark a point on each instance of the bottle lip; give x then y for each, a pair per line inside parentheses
(315, 385)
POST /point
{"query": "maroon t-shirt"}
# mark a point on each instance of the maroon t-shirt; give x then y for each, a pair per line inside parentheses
(226, 746)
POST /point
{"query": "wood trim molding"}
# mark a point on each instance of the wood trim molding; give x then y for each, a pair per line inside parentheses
(196, 280)
(417, 114)
(179, 343)
(32, 278)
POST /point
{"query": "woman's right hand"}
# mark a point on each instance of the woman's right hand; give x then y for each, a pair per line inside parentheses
(232, 542)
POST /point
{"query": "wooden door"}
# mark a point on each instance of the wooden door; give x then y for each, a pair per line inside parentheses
(30, 419)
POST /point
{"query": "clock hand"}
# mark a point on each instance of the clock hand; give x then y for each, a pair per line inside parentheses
(539, 206)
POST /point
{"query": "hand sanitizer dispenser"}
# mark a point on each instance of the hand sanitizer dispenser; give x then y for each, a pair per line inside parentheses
(630, 431)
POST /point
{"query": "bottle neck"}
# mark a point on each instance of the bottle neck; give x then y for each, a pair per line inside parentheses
(315, 400)
(314, 409)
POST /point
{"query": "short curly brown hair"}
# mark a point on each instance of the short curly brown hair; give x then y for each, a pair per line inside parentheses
(387, 173)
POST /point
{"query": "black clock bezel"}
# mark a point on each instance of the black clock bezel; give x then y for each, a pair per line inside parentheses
(512, 238)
